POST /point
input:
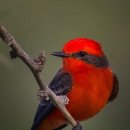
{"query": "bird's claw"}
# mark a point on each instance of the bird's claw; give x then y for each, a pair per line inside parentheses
(63, 99)
(77, 127)
(42, 94)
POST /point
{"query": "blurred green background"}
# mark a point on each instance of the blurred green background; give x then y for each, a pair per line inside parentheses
(48, 24)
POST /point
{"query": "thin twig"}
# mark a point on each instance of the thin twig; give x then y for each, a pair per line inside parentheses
(36, 69)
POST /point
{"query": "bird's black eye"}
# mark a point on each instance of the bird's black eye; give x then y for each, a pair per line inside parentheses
(79, 54)
(82, 54)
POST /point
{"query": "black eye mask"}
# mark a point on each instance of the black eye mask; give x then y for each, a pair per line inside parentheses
(98, 61)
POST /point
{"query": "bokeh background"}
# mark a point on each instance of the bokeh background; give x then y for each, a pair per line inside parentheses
(48, 24)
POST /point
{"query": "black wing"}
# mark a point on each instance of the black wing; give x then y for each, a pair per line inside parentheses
(115, 88)
(60, 85)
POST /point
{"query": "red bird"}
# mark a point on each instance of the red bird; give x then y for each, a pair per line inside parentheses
(87, 80)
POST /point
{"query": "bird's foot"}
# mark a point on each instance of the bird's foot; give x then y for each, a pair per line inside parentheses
(63, 99)
(77, 127)
(43, 95)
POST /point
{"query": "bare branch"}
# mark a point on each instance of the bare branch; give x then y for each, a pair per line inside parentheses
(36, 66)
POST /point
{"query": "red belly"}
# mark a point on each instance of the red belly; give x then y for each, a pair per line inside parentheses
(89, 97)
(85, 99)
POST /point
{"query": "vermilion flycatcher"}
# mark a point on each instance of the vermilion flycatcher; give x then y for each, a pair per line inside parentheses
(87, 80)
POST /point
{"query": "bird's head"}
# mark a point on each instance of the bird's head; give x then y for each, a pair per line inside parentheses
(81, 53)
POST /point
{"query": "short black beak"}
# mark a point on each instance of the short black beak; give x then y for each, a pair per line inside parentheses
(60, 54)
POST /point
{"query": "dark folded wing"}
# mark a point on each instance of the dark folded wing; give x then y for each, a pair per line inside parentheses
(115, 88)
(60, 85)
